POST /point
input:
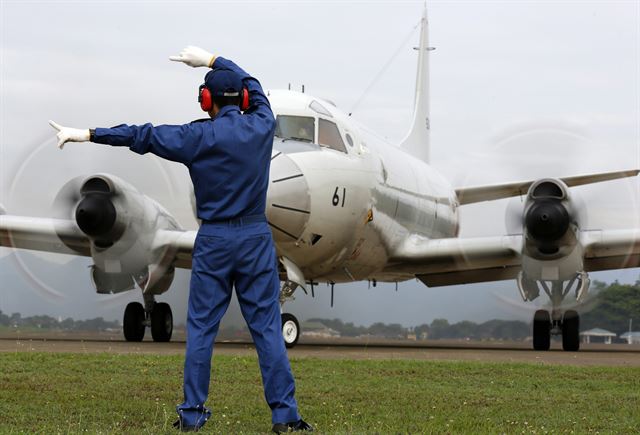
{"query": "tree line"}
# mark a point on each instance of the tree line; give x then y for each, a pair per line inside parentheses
(610, 306)
(437, 329)
(16, 320)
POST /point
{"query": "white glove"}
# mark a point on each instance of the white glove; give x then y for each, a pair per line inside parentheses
(194, 57)
(66, 134)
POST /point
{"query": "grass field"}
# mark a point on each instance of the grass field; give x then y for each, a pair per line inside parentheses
(69, 393)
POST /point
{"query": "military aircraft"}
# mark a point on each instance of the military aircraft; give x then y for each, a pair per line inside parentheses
(345, 205)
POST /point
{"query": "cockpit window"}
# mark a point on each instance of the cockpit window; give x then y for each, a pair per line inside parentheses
(329, 135)
(316, 106)
(295, 128)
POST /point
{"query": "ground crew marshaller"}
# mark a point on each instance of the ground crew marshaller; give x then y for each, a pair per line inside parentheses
(228, 158)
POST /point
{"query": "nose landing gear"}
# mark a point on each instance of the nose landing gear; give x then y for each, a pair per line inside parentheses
(290, 330)
(290, 326)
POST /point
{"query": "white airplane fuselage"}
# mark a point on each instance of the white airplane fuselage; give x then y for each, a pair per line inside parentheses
(338, 215)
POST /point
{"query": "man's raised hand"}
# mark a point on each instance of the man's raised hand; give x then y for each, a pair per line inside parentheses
(194, 57)
(66, 134)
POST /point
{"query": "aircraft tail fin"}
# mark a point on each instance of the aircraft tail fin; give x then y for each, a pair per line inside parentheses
(416, 142)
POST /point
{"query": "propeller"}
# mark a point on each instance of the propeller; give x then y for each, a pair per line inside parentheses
(514, 216)
(89, 201)
(122, 249)
(35, 190)
(95, 214)
(67, 198)
(530, 151)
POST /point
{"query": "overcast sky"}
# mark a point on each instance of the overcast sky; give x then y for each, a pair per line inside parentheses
(519, 90)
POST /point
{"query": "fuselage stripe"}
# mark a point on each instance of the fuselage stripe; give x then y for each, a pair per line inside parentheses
(283, 231)
(287, 178)
(291, 208)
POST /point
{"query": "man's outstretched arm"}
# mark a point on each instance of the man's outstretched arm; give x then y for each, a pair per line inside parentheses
(171, 142)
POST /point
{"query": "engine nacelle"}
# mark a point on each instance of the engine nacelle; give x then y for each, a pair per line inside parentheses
(122, 224)
(550, 220)
(551, 226)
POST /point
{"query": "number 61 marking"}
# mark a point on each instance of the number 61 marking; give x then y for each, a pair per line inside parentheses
(336, 197)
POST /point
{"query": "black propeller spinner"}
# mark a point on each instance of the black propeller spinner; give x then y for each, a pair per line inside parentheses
(95, 214)
(547, 220)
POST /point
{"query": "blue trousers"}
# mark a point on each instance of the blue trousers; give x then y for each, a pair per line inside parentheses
(241, 255)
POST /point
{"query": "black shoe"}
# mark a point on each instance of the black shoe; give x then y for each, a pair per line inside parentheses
(178, 425)
(293, 426)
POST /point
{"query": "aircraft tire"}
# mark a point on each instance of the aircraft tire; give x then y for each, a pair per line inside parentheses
(161, 322)
(571, 331)
(541, 330)
(290, 330)
(133, 322)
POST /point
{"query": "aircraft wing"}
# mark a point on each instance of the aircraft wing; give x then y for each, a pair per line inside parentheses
(451, 261)
(43, 234)
(613, 249)
(470, 195)
(64, 237)
(180, 242)
(462, 261)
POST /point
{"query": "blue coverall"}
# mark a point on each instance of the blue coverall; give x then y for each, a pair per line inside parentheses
(228, 159)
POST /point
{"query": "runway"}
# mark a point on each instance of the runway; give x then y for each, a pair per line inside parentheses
(591, 355)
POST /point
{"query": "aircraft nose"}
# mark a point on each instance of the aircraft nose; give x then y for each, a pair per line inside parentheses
(288, 200)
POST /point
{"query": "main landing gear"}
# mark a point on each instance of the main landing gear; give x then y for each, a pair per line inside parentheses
(567, 325)
(556, 322)
(156, 315)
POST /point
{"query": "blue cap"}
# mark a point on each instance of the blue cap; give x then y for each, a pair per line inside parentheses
(223, 83)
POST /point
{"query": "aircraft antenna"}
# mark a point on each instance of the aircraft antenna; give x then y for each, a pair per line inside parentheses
(384, 68)
(332, 284)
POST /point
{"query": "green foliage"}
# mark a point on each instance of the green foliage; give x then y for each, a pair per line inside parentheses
(4, 319)
(136, 394)
(492, 329)
(614, 305)
(345, 329)
(422, 331)
(438, 329)
(51, 323)
(394, 330)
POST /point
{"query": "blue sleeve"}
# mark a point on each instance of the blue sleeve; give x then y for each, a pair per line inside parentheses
(258, 102)
(178, 143)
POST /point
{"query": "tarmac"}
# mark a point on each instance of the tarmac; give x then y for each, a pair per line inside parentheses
(589, 355)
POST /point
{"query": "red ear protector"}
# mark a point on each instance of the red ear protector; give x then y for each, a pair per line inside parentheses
(206, 102)
(244, 99)
(204, 98)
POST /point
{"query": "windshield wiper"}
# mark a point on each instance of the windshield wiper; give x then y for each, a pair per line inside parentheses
(301, 139)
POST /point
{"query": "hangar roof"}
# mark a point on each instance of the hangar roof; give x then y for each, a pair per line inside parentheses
(599, 332)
